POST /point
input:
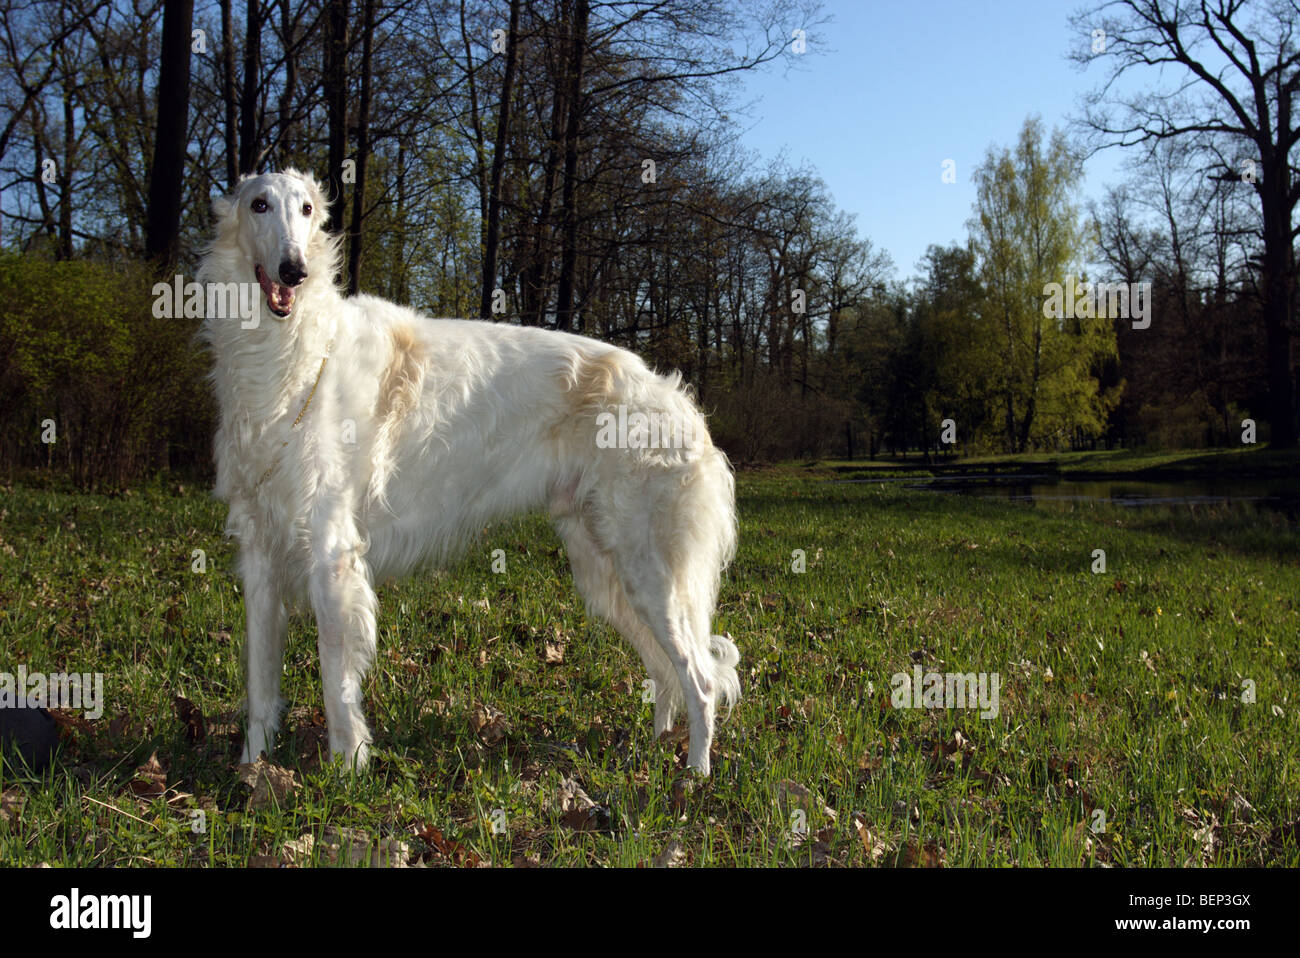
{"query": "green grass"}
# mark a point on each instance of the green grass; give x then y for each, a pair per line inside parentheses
(1120, 692)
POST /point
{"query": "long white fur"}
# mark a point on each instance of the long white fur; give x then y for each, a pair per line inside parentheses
(453, 424)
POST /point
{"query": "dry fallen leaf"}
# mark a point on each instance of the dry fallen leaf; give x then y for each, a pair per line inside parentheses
(678, 735)
(820, 851)
(11, 804)
(118, 725)
(299, 852)
(150, 779)
(576, 808)
(191, 717)
(790, 795)
(489, 724)
(438, 706)
(683, 789)
(876, 846)
(446, 848)
(348, 846)
(671, 857)
(929, 855)
(267, 781)
(1206, 836)
(1242, 809)
(69, 722)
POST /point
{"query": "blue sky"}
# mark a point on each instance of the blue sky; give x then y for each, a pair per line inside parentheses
(898, 86)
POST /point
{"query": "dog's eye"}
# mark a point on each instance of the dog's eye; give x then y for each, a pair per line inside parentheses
(258, 205)
(306, 209)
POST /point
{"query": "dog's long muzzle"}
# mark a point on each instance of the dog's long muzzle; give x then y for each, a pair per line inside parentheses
(279, 296)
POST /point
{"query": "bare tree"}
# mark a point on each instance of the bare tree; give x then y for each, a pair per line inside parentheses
(336, 103)
(250, 129)
(493, 237)
(363, 148)
(229, 100)
(166, 175)
(572, 130)
(1239, 67)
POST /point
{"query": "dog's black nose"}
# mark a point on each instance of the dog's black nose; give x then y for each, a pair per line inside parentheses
(291, 273)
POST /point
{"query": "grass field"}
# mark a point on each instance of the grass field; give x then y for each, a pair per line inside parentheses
(1124, 735)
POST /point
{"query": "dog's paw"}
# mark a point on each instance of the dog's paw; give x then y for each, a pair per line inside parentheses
(351, 760)
(249, 754)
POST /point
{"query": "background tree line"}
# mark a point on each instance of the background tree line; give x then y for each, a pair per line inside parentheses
(574, 164)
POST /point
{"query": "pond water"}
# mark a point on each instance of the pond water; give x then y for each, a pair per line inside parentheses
(1274, 494)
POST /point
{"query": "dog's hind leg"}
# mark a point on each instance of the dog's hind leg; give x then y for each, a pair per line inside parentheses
(264, 652)
(593, 573)
(669, 557)
(648, 582)
(344, 604)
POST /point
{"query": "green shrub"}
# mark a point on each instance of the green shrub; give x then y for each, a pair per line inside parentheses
(79, 346)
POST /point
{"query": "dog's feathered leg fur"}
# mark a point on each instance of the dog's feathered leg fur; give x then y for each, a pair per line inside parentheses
(263, 651)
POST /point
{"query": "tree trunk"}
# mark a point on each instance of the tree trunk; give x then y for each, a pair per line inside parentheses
(569, 254)
(290, 80)
(1031, 401)
(498, 167)
(66, 164)
(228, 96)
(1278, 271)
(363, 148)
(536, 277)
(249, 132)
(476, 124)
(167, 175)
(336, 104)
(398, 283)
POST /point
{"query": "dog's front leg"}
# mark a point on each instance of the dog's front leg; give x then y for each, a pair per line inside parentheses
(267, 622)
(344, 604)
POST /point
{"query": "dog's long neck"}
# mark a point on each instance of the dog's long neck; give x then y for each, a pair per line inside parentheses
(259, 371)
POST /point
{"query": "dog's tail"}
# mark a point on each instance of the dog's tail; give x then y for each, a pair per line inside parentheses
(707, 523)
(725, 658)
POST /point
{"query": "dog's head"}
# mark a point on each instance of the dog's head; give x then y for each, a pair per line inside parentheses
(277, 221)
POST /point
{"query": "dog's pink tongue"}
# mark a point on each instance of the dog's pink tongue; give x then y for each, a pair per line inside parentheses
(280, 298)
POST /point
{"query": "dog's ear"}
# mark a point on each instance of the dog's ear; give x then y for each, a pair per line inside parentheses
(319, 201)
(226, 208)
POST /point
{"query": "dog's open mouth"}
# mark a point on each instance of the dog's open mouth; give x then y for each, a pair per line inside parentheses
(279, 298)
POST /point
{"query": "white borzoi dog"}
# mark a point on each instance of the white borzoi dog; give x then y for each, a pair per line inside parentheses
(358, 439)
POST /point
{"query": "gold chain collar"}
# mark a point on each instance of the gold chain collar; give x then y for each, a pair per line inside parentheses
(329, 347)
